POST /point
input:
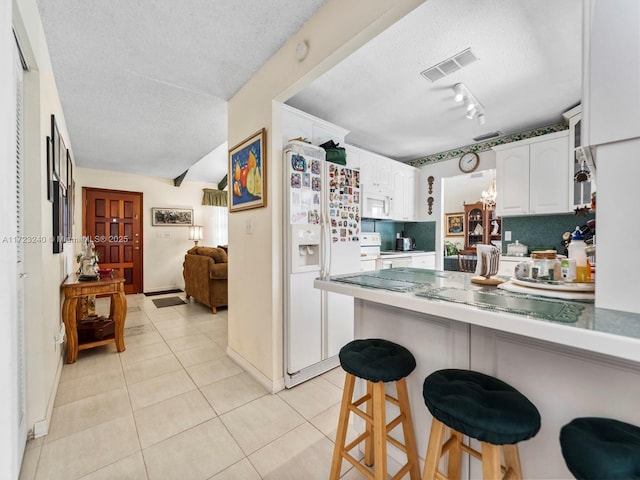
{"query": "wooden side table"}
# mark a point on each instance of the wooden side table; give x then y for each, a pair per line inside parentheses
(73, 290)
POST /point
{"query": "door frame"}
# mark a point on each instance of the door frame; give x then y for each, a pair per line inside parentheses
(125, 192)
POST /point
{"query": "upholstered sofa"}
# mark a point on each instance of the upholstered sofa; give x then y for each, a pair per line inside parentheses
(205, 276)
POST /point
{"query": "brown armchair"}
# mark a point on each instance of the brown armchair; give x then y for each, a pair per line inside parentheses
(205, 276)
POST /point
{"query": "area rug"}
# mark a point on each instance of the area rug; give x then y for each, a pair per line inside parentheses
(168, 302)
(162, 292)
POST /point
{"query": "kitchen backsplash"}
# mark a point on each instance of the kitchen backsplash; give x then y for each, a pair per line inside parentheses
(423, 232)
(541, 230)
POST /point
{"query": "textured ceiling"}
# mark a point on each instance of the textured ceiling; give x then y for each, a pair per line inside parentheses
(144, 84)
(528, 73)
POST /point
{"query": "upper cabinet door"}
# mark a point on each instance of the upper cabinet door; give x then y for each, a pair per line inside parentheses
(512, 181)
(611, 73)
(549, 176)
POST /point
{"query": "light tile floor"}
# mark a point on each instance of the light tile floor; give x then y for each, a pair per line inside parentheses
(174, 406)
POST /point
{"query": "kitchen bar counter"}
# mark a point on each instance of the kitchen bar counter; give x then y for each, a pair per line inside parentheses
(586, 365)
(600, 330)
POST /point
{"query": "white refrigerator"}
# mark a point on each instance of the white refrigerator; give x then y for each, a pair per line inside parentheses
(322, 238)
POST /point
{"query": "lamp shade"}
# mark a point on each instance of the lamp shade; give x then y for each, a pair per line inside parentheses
(195, 233)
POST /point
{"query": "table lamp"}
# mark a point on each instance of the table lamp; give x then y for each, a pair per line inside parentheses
(195, 233)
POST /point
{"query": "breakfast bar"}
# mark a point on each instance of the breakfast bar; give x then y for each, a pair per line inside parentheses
(568, 357)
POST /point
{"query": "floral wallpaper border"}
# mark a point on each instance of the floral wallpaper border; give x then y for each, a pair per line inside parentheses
(486, 145)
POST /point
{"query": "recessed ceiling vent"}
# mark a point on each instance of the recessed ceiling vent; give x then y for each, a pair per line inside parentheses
(450, 65)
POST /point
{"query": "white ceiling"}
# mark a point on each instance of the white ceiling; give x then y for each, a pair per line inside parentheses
(528, 73)
(144, 84)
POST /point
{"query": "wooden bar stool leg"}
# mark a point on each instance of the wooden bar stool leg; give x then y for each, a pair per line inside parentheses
(368, 442)
(380, 432)
(491, 462)
(454, 464)
(512, 461)
(343, 423)
(434, 450)
(407, 429)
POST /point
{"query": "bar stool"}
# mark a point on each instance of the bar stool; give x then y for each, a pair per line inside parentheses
(482, 407)
(376, 361)
(597, 448)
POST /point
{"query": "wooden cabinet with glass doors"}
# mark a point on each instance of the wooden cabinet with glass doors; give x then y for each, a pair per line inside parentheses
(479, 226)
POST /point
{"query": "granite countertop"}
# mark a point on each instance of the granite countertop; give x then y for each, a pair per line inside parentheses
(452, 295)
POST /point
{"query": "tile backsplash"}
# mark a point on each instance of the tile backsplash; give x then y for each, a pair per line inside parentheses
(423, 232)
(541, 230)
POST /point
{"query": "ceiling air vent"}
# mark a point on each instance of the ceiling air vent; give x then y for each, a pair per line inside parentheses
(450, 65)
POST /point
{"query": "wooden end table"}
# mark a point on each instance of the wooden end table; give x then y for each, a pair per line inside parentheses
(75, 289)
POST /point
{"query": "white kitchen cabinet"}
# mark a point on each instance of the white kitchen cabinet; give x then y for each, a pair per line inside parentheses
(611, 71)
(532, 176)
(375, 170)
(368, 265)
(296, 123)
(579, 192)
(403, 203)
(424, 260)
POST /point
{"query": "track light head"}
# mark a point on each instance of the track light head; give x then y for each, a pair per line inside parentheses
(471, 113)
(458, 90)
(481, 119)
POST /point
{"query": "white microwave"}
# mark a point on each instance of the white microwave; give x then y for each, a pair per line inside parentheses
(376, 204)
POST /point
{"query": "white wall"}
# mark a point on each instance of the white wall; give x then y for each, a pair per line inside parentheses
(163, 247)
(9, 451)
(440, 171)
(45, 270)
(255, 275)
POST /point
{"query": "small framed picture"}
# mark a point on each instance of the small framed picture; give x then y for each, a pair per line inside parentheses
(454, 223)
(171, 216)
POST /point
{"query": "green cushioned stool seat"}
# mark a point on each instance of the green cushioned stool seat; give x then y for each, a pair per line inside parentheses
(377, 360)
(598, 448)
(480, 406)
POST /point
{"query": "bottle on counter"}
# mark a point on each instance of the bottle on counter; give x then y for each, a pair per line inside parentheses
(577, 252)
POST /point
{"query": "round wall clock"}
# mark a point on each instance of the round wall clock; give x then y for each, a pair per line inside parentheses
(469, 162)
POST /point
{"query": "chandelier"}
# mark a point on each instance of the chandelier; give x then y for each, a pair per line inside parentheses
(488, 197)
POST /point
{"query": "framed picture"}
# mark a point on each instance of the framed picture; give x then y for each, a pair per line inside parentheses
(69, 169)
(55, 148)
(62, 155)
(247, 173)
(171, 216)
(49, 170)
(58, 212)
(454, 224)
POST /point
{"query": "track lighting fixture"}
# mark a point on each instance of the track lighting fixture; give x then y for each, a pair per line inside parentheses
(473, 106)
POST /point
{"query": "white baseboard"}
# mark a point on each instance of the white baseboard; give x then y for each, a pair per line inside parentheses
(41, 428)
(274, 386)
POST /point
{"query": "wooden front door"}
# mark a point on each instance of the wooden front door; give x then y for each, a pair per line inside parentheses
(113, 220)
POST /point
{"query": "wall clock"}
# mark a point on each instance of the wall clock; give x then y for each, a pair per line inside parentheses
(469, 162)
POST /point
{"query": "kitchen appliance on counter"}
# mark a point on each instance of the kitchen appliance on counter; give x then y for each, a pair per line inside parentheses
(322, 238)
(404, 244)
(517, 249)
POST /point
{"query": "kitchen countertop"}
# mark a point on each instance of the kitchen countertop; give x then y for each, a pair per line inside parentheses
(584, 326)
(400, 253)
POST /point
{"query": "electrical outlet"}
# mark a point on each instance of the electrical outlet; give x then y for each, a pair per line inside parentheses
(507, 236)
(248, 227)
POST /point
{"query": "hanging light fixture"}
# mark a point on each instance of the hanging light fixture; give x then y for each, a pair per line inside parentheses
(488, 197)
(473, 106)
(195, 233)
